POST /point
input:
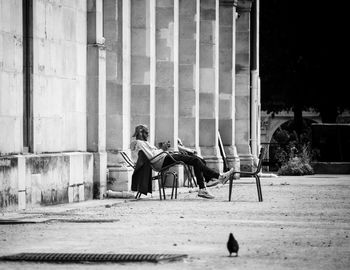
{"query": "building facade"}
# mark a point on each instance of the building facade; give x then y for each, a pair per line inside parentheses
(78, 76)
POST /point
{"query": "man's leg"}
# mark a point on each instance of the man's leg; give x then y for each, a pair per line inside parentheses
(199, 167)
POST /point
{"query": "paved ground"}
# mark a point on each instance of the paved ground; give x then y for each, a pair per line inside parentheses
(303, 223)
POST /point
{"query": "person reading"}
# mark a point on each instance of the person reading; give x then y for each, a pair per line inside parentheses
(201, 170)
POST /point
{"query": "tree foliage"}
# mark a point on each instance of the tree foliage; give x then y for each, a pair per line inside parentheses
(300, 48)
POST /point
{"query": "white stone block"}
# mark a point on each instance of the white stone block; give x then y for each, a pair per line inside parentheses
(10, 94)
(36, 188)
(10, 136)
(48, 134)
(21, 173)
(70, 131)
(81, 27)
(68, 95)
(21, 200)
(81, 59)
(81, 131)
(80, 95)
(76, 169)
(9, 19)
(81, 193)
(70, 194)
(119, 179)
(39, 19)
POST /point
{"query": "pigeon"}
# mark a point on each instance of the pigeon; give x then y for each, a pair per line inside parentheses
(232, 245)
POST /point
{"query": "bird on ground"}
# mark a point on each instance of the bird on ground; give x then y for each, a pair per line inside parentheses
(232, 245)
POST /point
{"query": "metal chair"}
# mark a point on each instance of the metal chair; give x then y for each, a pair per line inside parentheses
(160, 176)
(254, 174)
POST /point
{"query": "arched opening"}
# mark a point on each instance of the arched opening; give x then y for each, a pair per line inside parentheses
(283, 139)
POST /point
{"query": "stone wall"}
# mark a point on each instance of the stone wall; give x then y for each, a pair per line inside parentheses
(11, 77)
(59, 76)
(32, 180)
(57, 109)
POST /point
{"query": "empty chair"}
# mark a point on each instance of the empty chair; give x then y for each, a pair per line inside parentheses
(254, 174)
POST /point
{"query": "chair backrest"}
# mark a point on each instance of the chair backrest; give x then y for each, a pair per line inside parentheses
(222, 153)
(132, 164)
(261, 157)
(127, 159)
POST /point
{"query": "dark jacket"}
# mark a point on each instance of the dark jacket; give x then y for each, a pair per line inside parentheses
(142, 176)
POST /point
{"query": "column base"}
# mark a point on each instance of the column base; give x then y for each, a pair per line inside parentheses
(233, 158)
(119, 173)
(213, 158)
(179, 170)
(119, 178)
(99, 174)
(247, 163)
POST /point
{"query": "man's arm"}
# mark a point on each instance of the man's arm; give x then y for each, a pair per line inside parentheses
(188, 150)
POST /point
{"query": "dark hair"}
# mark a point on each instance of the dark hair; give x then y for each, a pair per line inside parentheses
(139, 129)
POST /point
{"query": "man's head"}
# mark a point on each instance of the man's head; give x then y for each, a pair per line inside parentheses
(141, 132)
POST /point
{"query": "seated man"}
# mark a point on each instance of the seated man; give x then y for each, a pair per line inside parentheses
(200, 169)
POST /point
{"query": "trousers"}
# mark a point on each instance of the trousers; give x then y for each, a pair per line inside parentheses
(201, 170)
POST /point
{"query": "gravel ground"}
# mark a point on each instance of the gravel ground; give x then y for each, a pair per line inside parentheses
(303, 223)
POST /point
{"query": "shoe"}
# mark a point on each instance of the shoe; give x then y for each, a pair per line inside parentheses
(212, 182)
(205, 194)
(224, 177)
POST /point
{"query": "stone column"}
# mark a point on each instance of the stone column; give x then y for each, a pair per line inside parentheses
(187, 73)
(164, 85)
(153, 59)
(112, 21)
(209, 83)
(140, 63)
(227, 81)
(116, 22)
(243, 85)
(167, 75)
(126, 43)
(96, 95)
(255, 82)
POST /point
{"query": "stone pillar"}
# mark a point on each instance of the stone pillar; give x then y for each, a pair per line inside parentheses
(164, 85)
(197, 78)
(209, 83)
(227, 81)
(153, 61)
(96, 95)
(187, 73)
(116, 20)
(255, 82)
(243, 85)
(112, 20)
(167, 75)
(140, 63)
(126, 43)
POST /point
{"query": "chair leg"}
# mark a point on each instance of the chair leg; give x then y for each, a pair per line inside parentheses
(186, 178)
(258, 186)
(192, 178)
(230, 190)
(163, 181)
(160, 188)
(176, 185)
(173, 187)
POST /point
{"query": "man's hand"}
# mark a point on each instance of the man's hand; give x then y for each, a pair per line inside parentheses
(165, 145)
